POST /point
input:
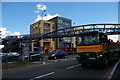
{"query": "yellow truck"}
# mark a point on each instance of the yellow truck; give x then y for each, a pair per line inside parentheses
(95, 48)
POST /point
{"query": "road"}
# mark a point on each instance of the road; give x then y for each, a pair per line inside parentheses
(57, 69)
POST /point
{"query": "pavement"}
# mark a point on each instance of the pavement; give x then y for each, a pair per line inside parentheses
(18, 64)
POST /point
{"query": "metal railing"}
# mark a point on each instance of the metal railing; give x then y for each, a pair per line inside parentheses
(68, 32)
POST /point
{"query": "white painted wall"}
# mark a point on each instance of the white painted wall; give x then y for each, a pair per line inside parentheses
(3, 32)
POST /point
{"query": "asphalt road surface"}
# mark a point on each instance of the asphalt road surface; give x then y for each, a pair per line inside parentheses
(58, 69)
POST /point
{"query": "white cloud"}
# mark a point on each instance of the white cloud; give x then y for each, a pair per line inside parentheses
(16, 33)
(3, 32)
(9, 33)
(36, 11)
(41, 7)
(46, 17)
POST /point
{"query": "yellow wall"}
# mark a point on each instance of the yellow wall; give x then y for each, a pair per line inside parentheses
(47, 44)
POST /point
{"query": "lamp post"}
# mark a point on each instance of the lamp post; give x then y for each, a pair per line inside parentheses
(43, 14)
(42, 18)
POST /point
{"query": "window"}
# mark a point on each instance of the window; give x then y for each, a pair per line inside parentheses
(60, 21)
(67, 45)
(53, 26)
(66, 23)
(33, 53)
(37, 25)
(46, 31)
(47, 39)
(88, 39)
(60, 39)
(68, 39)
(60, 26)
(46, 25)
(58, 52)
(35, 49)
(36, 44)
(60, 45)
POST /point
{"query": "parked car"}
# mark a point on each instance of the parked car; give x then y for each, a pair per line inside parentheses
(57, 54)
(12, 56)
(31, 56)
(3, 56)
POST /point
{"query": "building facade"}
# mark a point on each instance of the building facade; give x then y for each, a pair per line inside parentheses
(44, 45)
(62, 23)
(3, 33)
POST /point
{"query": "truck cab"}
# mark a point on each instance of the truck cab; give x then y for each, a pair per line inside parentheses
(92, 47)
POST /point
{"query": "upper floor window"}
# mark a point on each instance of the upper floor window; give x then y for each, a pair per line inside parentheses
(60, 26)
(66, 23)
(53, 26)
(46, 31)
(46, 25)
(60, 21)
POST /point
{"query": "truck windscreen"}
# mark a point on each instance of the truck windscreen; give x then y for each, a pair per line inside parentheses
(88, 39)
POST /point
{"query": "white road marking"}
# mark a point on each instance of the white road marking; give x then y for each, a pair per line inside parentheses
(37, 62)
(73, 66)
(43, 76)
(55, 60)
(10, 62)
(61, 59)
(44, 62)
(47, 63)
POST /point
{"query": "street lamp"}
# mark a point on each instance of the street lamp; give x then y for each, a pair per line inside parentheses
(43, 14)
(42, 18)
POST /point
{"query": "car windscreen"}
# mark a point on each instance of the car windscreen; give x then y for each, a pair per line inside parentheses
(53, 52)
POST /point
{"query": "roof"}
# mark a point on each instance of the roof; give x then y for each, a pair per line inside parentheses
(60, 18)
(42, 21)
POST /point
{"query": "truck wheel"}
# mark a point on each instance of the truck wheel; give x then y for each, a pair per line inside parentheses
(110, 62)
(41, 59)
(55, 58)
(65, 56)
(106, 63)
(26, 60)
(84, 64)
